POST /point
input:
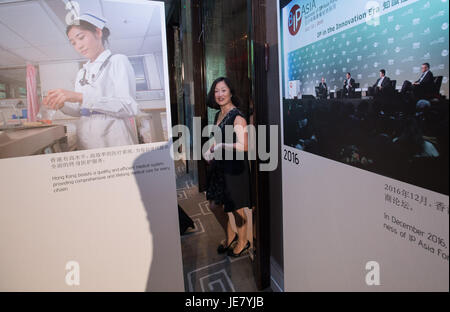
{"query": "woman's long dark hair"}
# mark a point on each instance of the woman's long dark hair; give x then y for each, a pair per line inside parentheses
(211, 102)
(92, 28)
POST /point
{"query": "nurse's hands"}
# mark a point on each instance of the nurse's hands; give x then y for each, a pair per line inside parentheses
(55, 99)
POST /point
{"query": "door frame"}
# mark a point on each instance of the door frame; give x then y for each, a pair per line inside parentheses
(199, 66)
(258, 56)
(258, 76)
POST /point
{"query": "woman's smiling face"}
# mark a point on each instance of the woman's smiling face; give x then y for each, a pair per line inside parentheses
(85, 42)
(222, 94)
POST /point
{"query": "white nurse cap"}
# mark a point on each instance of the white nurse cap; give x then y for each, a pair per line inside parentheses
(93, 19)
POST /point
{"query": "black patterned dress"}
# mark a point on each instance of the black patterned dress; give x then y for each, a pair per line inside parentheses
(229, 180)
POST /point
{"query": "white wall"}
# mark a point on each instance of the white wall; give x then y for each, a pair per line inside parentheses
(123, 232)
(58, 75)
(153, 70)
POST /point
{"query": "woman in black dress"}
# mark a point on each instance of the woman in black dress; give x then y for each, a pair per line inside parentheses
(229, 180)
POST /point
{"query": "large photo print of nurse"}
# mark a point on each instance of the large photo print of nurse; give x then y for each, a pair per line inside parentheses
(81, 75)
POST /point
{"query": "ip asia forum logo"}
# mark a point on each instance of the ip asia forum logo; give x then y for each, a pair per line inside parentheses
(296, 15)
(295, 20)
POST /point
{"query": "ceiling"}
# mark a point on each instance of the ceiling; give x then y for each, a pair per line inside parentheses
(34, 30)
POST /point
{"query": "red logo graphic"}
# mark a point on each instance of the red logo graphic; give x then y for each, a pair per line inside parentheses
(295, 20)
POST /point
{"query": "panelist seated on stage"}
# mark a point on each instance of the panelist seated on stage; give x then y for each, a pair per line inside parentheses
(424, 87)
(322, 90)
(349, 86)
(382, 87)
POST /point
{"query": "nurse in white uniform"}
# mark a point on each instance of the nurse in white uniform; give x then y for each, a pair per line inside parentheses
(105, 89)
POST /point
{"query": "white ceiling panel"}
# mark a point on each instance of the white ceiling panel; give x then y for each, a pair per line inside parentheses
(127, 20)
(130, 46)
(32, 23)
(59, 52)
(155, 24)
(8, 59)
(10, 40)
(89, 6)
(32, 29)
(30, 54)
(151, 44)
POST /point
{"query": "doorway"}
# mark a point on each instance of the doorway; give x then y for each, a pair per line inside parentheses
(210, 39)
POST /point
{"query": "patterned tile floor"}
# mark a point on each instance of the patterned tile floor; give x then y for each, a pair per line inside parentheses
(204, 269)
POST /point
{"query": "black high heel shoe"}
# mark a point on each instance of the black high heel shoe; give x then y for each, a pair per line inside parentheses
(232, 254)
(222, 249)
